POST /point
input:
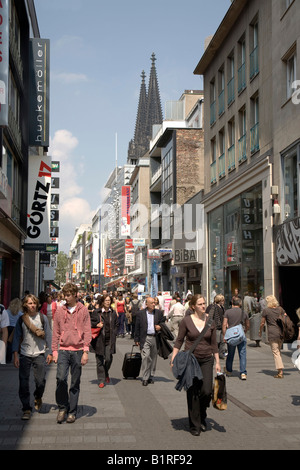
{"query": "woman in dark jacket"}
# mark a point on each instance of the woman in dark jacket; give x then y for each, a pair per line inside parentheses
(206, 353)
(104, 345)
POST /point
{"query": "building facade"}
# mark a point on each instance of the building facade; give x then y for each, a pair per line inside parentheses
(251, 126)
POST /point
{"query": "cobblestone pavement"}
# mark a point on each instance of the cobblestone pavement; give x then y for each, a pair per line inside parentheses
(263, 412)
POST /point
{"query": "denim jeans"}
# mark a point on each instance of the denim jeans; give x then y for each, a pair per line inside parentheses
(39, 372)
(68, 360)
(242, 354)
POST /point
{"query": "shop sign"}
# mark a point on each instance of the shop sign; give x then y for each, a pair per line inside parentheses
(39, 199)
(185, 256)
(4, 61)
(39, 92)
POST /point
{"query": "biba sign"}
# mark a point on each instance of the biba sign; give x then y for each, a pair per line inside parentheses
(39, 200)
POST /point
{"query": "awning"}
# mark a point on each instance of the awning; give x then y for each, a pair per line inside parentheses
(136, 272)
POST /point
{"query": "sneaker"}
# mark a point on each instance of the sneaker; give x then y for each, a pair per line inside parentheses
(107, 379)
(26, 415)
(38, 404)
(71, 418)
(61, 416)
(101, 385)
(243, 377)
(228, 374)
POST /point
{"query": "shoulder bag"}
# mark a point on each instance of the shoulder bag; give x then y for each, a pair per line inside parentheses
(236, 334)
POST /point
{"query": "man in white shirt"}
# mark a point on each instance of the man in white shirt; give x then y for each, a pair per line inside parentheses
(147, 325)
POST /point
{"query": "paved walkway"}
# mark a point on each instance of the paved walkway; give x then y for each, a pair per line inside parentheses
(263, 412)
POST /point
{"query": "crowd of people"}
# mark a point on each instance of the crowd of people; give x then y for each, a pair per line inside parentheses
(64, 327)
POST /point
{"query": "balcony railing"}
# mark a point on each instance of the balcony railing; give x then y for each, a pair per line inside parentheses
(213, 172)
(242, 78)
(242, 149)
(231, 158)
(254, 67)
(222, 165)
(254, 138)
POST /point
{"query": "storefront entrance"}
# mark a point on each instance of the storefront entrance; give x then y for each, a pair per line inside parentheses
(289, 290)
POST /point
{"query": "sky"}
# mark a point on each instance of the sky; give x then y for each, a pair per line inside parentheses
(98, 51)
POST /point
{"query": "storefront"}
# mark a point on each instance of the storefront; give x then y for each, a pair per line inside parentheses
(287, 261)
(235, 236)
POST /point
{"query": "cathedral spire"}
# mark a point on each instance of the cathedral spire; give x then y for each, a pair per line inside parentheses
(149, 113)
(154, 112)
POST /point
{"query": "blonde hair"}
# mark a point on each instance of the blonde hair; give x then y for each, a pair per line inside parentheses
(219, 298)
(298, 312)
(272, 302)
(15, 306)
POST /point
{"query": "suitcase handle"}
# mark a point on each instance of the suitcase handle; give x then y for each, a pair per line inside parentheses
(134, 346)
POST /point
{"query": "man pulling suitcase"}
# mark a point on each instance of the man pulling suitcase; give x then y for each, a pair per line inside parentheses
(148, 323)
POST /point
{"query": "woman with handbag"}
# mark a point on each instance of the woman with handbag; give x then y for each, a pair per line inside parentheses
(270, 315)
(104, 344)
(206, 351)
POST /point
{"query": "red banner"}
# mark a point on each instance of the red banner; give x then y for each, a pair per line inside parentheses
(107, 268)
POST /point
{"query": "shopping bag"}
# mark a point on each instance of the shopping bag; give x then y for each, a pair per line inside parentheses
(219, 393)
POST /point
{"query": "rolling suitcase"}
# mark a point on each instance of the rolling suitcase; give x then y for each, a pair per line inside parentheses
(132, 364)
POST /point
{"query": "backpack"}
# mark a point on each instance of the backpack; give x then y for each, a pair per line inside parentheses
(287, 326)
(135, 307)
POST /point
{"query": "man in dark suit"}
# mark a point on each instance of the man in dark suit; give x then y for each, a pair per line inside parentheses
(147, 325)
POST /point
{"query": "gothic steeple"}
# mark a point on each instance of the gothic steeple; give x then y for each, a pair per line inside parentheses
(149, 113)
(154, 113)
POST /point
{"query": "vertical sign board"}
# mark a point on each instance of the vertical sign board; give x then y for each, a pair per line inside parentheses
(39, 57)
(125, 211)
(4, 61)
(39, 200)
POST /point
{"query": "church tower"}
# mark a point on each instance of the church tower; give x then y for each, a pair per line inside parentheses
(149, 113)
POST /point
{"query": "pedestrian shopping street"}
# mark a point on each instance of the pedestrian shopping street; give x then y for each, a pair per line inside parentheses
(262, 413)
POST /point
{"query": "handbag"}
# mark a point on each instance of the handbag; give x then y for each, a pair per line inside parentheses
(95, 332)
(219, 399)
(235, 335)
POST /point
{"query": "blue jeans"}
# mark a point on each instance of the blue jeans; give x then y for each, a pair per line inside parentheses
(242, 354)
(38, 365)
(68, 360)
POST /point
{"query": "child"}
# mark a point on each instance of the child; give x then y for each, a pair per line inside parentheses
(70, 343)
(31, 337)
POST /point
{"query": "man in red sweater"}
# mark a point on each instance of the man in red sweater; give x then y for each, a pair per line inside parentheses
(70, 345)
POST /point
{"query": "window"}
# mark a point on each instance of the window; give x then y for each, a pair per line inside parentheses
(221, 154)
(231, 145)
(213, 166)
(254, 66)
(242, 65)
(230, 84)
(242, 135)
(212, 102)
(291, 67)
(221, 87)
(290, 166)
(167, 168)
(254, 131)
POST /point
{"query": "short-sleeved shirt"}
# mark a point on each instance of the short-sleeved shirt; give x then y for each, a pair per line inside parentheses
(235, 316)
(4, 319)
(271, 315)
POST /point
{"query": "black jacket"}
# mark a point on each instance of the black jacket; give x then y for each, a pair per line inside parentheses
(142, 325)
(111, 325)
(164, 348)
